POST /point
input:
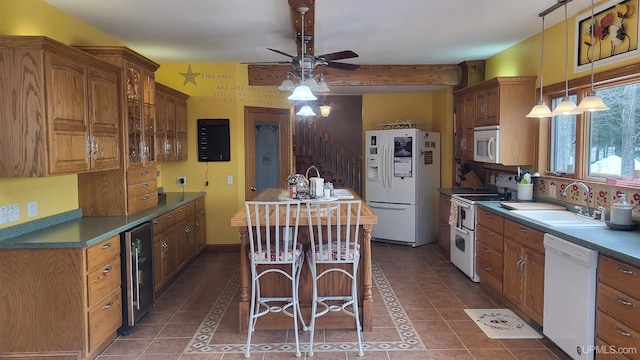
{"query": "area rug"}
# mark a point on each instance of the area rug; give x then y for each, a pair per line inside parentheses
(502, 324)
(406, 337)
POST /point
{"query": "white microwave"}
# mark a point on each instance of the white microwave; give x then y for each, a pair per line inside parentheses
(486, 144)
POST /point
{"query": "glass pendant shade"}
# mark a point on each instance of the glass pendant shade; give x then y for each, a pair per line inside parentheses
(302, 92)
(322, 85)
(311, 83)
(540, 110)
(592, 102)
(325, 110)
(287, 84)
(566, 107)
(306, 111)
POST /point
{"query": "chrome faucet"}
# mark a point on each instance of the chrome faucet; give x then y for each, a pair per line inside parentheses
(587, 201)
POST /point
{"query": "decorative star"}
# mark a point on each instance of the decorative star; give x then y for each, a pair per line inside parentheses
(190, 76)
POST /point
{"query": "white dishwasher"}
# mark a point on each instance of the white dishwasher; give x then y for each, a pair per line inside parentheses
(570, 296)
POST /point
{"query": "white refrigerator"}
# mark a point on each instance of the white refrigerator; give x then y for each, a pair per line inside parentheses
(402, 180)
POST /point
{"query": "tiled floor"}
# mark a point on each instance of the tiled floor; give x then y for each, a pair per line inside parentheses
(431, 292)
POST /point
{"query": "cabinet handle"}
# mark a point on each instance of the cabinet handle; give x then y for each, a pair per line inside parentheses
(156, 222)
(105, 246)
(107, 270)
(144, 172)
(169, 216)
(523, 230)
(487, 250)
(487, 232)
(107, 305)
(626, 271)
(487, 268)
(624, 301)
(487, 215)
(623, 332)
(145, 185)
(146, 197)
(180, 210)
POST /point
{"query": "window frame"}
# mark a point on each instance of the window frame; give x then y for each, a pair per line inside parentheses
(579, 87)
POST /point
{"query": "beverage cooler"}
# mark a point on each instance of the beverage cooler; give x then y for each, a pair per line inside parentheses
(137, 275)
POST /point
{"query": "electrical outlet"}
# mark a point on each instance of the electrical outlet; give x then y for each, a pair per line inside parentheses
(32, 208)
(181, 181)
(229, 179)
(552, 191)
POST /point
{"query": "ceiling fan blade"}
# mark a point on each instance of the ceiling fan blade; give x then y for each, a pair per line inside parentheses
(282, 53)
(266, 62)
(342, 66)
(345, 54)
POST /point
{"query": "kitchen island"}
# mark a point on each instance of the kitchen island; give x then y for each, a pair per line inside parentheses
(331, 321)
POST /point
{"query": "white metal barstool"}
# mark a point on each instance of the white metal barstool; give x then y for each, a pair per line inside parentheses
(334, 242)
(274, 248)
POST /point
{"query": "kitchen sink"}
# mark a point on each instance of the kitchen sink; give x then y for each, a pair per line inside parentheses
(557, 218)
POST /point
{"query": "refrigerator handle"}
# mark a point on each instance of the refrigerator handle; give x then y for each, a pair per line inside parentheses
(137, 275)
(383, 166)
(389, 165)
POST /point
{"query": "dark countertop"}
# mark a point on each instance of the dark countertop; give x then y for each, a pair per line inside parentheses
(77, 231)
(623, 245)
(459, 190)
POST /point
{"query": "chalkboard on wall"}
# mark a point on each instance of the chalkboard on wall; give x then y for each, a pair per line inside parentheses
(213, 140)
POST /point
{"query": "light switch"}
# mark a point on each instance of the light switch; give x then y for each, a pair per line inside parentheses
(229, 179)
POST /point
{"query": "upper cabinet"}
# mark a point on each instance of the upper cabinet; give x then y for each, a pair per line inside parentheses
(139, 99)
(502, 102)
(171, 124)
(60, 114)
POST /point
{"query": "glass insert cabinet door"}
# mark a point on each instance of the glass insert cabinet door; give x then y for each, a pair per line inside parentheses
(140, 115)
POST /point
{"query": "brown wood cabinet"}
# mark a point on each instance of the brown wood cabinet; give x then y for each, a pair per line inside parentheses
(618, 302)
(185, 234)
(164, 250)
(74, 293)
(113, 193)
(171, 124)
(444, 230)
(523, 268)
(200, 225)
(63, 118)
(503, 101)
(489, 249)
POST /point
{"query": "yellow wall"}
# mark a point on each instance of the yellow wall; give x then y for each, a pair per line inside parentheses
(524, 57)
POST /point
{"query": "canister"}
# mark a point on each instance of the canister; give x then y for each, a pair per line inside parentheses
(621, 212)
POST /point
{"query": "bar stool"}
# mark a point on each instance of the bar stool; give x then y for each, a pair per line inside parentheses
(274, 249)
(334, 249)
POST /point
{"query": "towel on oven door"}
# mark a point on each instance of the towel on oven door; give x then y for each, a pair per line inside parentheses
(453, 213)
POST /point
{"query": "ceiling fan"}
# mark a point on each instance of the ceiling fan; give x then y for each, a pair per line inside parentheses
(305, 64)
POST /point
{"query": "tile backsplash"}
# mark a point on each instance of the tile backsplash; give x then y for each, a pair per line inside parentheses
(601, 194)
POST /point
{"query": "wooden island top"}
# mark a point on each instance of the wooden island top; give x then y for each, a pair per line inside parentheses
(331, 321)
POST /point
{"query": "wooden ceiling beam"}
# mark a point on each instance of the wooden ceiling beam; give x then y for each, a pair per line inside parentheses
(366, 75)
(309, 23)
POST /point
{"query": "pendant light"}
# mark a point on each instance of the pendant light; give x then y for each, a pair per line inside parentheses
(592, 102)
(302, 91)
(306, 111)
(540, 110)
(566, 106)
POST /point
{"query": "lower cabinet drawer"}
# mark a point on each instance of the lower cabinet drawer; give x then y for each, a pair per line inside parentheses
(618, 335)
(102, 281)
(619, 306)
(620, 275)
(103, 252)
(104, 319)
(490, 272)
(142, 202)
(141, 189)
(605, 351)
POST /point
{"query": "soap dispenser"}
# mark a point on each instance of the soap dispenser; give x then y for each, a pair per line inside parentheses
(621, 212)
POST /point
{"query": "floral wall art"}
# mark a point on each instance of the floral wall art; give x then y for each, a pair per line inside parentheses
(613, 37)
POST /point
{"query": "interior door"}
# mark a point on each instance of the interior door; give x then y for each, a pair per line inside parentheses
(267, 142)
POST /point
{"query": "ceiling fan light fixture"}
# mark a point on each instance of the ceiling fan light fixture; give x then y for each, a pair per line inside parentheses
(302, 92)
(311, 83)
(287, 83)
(322, 85)
(306, 111)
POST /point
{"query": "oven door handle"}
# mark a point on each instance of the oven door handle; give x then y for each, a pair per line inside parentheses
(462, 205)
(461, 230)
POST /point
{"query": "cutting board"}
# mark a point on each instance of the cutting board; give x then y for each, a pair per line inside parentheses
(531, 206)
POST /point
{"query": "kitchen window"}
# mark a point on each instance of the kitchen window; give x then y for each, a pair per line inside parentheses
(603, 144)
